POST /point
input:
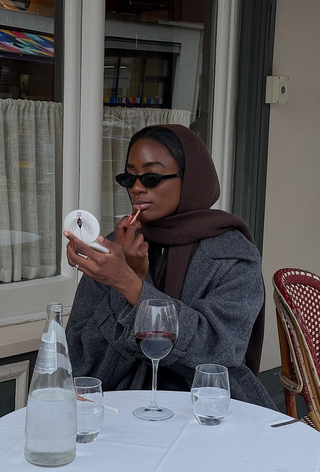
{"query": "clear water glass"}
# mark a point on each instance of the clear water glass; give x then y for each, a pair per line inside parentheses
(90, 408)
(210, 394)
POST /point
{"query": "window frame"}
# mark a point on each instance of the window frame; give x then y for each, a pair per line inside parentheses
(253, 114)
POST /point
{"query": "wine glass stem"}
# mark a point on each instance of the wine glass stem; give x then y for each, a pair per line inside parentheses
(153, 403)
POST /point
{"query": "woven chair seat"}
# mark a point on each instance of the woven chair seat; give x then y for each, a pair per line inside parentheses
(307, 420)
(297, 300)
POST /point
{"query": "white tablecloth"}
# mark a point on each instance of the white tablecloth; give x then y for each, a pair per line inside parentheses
(244, 442)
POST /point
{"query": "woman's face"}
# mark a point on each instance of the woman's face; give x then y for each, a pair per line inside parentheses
(162, 200)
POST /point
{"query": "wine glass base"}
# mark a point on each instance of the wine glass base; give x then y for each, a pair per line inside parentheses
(152, 414)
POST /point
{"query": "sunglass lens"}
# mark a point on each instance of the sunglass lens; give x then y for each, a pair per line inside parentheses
(126, 180)
(150, 180)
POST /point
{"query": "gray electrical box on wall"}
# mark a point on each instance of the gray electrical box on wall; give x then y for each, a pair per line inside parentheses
(277, 89)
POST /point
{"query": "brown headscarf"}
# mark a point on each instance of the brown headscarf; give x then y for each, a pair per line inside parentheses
(194, 220)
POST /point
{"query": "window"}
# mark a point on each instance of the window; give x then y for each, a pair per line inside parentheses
(27, 65)
(137, 80)
(31, 164)
(160, 58)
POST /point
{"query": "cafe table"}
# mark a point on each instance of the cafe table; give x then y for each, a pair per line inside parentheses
(244, 442)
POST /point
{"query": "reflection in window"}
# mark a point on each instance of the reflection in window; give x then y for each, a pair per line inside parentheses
(138, 80)
(31, 142)
(153, 70)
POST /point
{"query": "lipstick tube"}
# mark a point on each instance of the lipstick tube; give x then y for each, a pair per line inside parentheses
(132, 218)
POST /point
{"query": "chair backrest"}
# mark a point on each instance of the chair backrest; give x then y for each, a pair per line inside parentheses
(297, 299)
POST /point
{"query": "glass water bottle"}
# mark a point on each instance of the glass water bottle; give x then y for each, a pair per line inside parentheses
(51, 419)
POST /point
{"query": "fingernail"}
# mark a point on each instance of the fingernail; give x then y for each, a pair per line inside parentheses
(100, 239)
(66, 234)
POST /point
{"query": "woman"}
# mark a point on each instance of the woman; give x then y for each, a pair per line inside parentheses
(203, 259)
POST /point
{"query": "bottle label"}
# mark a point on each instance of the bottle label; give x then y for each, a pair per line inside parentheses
(47, 355)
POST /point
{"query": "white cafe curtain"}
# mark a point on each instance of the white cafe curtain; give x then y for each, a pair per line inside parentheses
(30, 179)
(119, 124)
(31, 175)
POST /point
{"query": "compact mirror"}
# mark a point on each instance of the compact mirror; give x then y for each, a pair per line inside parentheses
(84, 226)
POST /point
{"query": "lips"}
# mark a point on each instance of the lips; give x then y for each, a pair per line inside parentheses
(141, 205)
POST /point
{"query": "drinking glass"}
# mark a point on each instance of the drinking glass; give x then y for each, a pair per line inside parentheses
(90, 408)
(210, 394)
(156, 330)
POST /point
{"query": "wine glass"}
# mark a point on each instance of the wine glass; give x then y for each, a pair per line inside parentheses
(156, 330)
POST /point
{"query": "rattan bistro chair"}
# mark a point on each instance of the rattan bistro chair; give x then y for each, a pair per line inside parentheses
(297, 300)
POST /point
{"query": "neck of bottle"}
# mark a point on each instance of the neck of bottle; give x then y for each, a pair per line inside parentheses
(54, 312)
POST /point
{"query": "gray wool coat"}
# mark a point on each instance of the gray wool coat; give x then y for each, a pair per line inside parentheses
(221, 298)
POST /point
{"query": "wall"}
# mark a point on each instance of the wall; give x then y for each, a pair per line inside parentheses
(292, 223)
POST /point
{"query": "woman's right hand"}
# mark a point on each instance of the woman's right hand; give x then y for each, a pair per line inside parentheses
(108, 269)
(134, 246)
